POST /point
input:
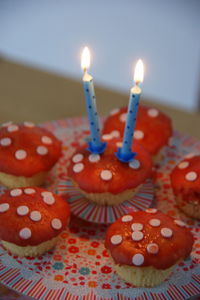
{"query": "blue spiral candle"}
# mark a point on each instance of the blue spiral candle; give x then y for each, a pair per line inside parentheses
(95, 145)
(125, 153)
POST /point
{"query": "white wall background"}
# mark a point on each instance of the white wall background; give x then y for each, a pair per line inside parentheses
(165, 34)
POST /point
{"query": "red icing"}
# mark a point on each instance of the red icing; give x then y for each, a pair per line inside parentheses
(28, 139)
(188, 190)
(123, 177)
(157, 130)
(11, 223)
(171, 250)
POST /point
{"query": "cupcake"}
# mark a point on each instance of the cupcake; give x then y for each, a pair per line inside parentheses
(185, 181)
(31, 220)
(153, 128)
(105, 180)
(27, 153)
(147, 245)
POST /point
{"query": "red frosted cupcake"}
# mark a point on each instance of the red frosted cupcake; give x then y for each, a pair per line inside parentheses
(31, 220)
(185, 181)
(146, 245)
(153, 128)
(27, 153)
(103, 179)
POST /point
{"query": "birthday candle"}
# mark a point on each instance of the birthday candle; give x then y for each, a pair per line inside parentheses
(95, 145)
(125, 153)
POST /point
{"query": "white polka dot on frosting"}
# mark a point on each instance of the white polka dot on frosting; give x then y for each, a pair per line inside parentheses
(183, 165)
(134, 164)
(154, 222)
(116, 239)
(127, 218)
(123, 117)
(6, 124)
(106, 175)
(93, 158)
(46, 140)
(42, 150)
(138, 259)
(48, 198)
(137, 236)
(119, 144)
(179, 223)
(137, 226)
(56, 224)
(20, 154)
(151, 210)
(4, 207)
(35, 216)
(77, 158)
(77, 168)
(29, 191)
(114, 111)
(25, 233)
(138, 134)
(22, 210)
(190, 155)
(166, 232)
(106, 137)
(5, 141)
(16, 192)
(12, 128)
(191, 176)
(152, 112)
(152, 248)
(115, 133)
(29, 124)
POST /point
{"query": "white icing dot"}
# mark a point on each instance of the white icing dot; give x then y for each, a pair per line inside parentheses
(116, 239)
(6, 124)
(179, 223)
(5, 141)
(25, 233)
(115, 133)
(114, 111)
(20, 154)
(127, 218)
(42, 150)
(56, 224)
(138, 134)
(77, 168)
(152, 248)
(15, 192)
(12, 128)
(138, 259)
(137, 236)
(4, 207)
(190, 155)
(29, 191)
(166, 232)
(35, 216)
(134, 164)
(22, 210)
(106, 175)
(151, 210)
(119, 144)
(137, 226)
(48, 198)
(29, 124)
(107, 137)
(183, 165)
(94, 158)
(46, 140)
(154, 222)
(191, 176)
(152, 112)
(123, 117)
(77, 157)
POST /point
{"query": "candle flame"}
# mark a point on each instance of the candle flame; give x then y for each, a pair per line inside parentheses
(139, 72)
(85, 59)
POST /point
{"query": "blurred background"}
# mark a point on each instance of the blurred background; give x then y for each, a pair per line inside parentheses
(49, 35)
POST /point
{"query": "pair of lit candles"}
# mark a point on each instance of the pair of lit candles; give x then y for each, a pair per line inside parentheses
(96, 145)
